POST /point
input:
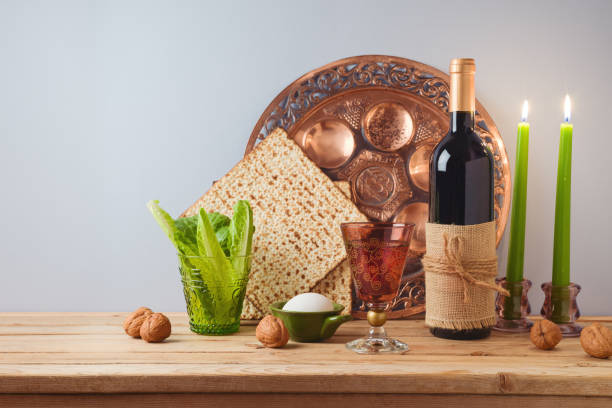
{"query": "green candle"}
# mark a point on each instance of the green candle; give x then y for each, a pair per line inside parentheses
(516, 249)
(561, 251)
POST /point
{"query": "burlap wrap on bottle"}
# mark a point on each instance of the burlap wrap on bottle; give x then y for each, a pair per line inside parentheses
(460, 268)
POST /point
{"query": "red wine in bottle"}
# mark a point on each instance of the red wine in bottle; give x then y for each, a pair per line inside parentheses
(461, 172)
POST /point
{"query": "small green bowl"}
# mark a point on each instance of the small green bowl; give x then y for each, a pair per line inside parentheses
(309, 327)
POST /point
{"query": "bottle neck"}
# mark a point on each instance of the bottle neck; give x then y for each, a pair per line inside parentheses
(461, 122)
(462, 100)
(462, 97)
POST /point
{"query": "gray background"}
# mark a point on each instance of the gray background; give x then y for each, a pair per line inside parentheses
(105, 105)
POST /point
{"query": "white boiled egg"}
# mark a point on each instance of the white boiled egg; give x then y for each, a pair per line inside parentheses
(309, 302)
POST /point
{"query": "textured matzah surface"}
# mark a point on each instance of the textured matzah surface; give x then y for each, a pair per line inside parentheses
(345, 187)
(250, 312)
(297, 212)
(337, 286)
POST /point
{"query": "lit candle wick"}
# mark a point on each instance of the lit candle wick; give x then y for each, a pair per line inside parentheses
(525, 111)
(568, 108)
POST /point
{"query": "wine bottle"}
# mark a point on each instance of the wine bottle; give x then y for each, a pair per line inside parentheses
(461, 172)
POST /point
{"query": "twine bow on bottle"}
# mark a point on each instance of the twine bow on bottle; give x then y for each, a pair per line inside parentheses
(453, 263)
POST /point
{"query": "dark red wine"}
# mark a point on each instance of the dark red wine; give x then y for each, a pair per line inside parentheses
(377, 268)
(461, 172)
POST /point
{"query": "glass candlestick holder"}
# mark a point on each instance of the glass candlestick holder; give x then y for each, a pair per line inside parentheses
(561, 308)
(512, 311)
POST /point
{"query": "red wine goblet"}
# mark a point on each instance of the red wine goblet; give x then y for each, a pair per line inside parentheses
(377, 253)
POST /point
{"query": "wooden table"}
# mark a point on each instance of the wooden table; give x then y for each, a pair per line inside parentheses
(59, 359)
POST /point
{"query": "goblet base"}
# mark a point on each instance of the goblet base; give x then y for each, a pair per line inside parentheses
(377, 342)
(374, 346)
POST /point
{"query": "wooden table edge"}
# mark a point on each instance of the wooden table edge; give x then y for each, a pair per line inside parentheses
(488, 384)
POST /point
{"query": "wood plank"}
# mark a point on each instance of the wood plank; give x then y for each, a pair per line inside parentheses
(108, 323)
(266, 357)
(38, 319)
(419, 340)
(284, 400)
(105, 325)
(88, 352)
(237, 377)
(88, 346)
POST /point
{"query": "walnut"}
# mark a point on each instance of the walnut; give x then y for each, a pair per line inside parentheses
(545, 334)
(596, 340)
(132, 323)
(155, 328)
(271, 332)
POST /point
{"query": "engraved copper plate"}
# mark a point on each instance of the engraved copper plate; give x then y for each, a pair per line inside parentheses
(374, 121)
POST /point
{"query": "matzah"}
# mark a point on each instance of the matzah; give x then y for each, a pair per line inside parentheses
(250, 312)
(336, 285)
(297, 213)
(345, 187)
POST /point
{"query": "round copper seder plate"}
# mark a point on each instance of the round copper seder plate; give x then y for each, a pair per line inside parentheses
(374, 121)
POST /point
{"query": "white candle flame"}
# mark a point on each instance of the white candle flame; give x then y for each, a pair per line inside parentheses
(568, 108)
(525, 111)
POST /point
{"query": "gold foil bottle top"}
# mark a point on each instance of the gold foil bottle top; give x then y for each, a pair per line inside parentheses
(462, 65)
(462, 96)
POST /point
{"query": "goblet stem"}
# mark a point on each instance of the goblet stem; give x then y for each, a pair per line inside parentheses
(377, 332)
(377, 340)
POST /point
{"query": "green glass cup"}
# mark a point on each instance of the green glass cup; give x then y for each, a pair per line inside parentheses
(214, 299)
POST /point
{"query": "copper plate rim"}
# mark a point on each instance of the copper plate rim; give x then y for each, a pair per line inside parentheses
(374, 58)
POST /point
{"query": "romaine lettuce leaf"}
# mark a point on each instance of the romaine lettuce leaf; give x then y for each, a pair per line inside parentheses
(241, 231)
(178, 233)
(214, 245)
(218, 220)
(164, 219)
(186, 235)
(208, 246)
(188, 230)
(220, 224)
